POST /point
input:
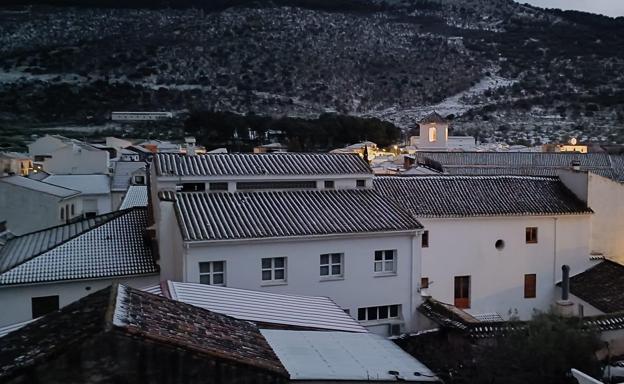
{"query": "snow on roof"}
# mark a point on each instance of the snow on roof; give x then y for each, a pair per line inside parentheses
(114, 247)
(252, 215)
(342, 356)
(86, 184)
(122, 174)
(35, 185)
(312, 312)
(135, 197)
(239, 164)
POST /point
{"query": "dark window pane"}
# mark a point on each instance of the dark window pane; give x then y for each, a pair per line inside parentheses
(361, 313)
(266, 275)
(335, 269)
(324, 259)
(378, 267)
(44, 305)
(266, 263)
(383, 312)
(336, 258)
(361, 183)
(217, 278)
(394, 311)
(279, 274)
(372, 313)
(279, 262)
(389, 255)
(329, 184)
(204, 279)
(324, 271)
(378, 255)
(218, 186)
(204, 267)
(217, 266)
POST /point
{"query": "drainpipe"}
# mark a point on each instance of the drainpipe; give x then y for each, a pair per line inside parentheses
(555, 251)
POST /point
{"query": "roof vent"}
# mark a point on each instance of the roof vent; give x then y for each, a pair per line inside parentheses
(576, 165)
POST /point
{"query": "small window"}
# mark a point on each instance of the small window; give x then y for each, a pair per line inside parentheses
(462, 292)
(383, 312)
(425, 239)
(360, 183)
(62, 213)
(44, 305)
(531, 235)
(274, 269)
(500, 244)
(72, 210)
(139, 180)
(331, 265)
(424, 282)
(530, 283)
(385, 261)
(193, 187)
(329, 184)
(212, 273)
(218, 186)
(433, 134)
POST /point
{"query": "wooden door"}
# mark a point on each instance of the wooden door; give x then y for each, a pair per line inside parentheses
(462, 291)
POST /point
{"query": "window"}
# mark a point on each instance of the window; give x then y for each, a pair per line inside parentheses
(212, 273)
(274, 269)
(499, 244)
(62, 213)
(193, 187)
(425, 239)
(385, 261)
(329, 184)
(424, 282)
(531, 235)
(331, 265)
(218, 186)
(433, 134)
(72, 210)
(360, 183)
(379, 313)
(44, 305)
(139, 180)
(276, 185)
(462, 291)
(530, 282)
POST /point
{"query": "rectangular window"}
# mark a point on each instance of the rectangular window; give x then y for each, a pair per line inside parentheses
(193, 187)
(212, 273)
(531, 235)
(383, 312)
(385, 261)
(462, 292)
(360, 183)
(331, 264)
(276, 185)
(274, 269)
(44, 305)
(433, 134)
(329, 184)
(218, 186)
(424, 282)
(62, 213)
(530, 285)
(139, 180)
(425, 239)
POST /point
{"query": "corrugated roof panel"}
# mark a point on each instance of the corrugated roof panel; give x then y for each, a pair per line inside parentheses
(135, 197)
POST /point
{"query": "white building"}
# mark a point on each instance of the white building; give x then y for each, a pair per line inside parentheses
(94, 191)
(307, 224)
(60, 155)
(45, 270)
(434, 136)
(28, 205)
(495, 245)
(140, 116)
(12, 163)
(125, 175)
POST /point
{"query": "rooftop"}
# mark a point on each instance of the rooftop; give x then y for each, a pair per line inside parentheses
(86, 184)
(344, 356)
(254, 215)
(602, 286)
(135, 197)
(122, 174)
(469, 196)
(263, 308)
(433, 117)
(106, 246)
(248, 164)
(39, 186)
(142, 316)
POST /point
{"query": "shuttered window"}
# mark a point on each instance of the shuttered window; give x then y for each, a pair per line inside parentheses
(530, 286)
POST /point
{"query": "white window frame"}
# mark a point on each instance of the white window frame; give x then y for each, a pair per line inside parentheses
(331, 264)
(272, 269)
(381, 266)
(380, 310)
(211, 272)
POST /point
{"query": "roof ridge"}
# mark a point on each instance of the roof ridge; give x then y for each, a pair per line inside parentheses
(113, 215)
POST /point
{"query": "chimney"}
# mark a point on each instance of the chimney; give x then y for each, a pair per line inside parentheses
(576, 165)
(190, 146)
(565, 307)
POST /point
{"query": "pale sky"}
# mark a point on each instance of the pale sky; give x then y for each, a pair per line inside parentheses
(612, 8)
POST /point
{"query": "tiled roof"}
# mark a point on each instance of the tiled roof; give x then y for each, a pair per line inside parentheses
(39, 186)
(108, 246)
(602, 286)
(86, 184)
(344, 357)
(135, 197)
(122, 174)
(433, 117)
(309, 312)
(525, 163)
(142, 316)
(466, 196)
(252, 215)
(248, 164)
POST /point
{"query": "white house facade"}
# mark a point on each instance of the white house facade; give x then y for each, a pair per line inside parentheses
(60, 155)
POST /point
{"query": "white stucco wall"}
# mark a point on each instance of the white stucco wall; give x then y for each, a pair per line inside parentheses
(103, 202)
(360, 287)
(19, 298)
(72, 160)
(606, 198)
(460, 247)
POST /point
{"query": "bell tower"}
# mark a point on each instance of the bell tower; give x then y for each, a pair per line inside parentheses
(433, 133)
